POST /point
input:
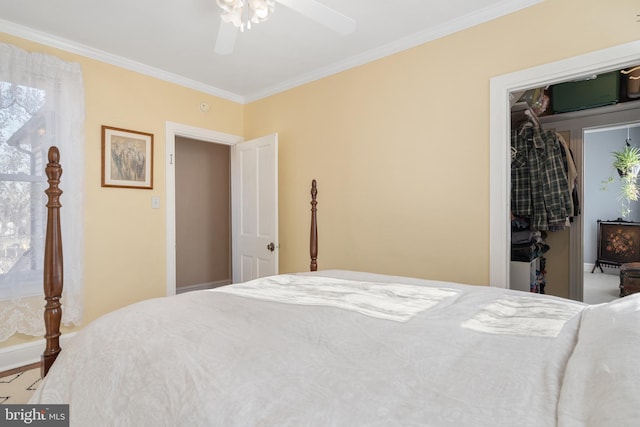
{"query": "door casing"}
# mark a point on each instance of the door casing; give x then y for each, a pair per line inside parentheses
(615, 57)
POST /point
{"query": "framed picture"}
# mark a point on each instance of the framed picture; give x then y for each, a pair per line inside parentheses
(127, 158)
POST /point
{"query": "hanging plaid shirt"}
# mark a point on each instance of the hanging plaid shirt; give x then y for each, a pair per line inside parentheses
(539, 187)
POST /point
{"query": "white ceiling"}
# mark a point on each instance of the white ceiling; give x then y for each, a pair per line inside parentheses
(174, 40)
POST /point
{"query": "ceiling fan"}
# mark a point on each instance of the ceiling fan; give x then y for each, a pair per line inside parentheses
(237, 15)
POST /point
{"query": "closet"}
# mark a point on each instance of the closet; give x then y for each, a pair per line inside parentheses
(563, 261)
(544, 194)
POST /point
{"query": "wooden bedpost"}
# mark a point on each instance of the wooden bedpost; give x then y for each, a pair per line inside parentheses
(313, 240)
(53, 273)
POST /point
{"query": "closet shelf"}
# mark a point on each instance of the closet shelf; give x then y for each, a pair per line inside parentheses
(623, 106)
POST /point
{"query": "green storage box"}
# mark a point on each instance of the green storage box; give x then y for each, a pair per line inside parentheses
(573, 96)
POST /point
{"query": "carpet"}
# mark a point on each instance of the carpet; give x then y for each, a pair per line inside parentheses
(18, 387)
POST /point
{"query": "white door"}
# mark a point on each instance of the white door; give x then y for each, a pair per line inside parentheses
(254, 208)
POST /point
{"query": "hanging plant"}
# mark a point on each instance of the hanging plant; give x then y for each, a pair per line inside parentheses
(627, 163)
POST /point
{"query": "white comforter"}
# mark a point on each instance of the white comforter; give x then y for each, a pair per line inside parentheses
(326, 350)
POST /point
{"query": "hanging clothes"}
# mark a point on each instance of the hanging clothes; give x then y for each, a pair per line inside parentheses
(539, 183)
(572, 177)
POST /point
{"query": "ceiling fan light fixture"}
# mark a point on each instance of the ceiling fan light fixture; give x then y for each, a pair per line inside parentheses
(241, 13)
(261, 9)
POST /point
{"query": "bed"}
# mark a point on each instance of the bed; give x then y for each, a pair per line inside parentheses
(345, 348)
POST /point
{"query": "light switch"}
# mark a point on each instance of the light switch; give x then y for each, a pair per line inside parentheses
(155, 202)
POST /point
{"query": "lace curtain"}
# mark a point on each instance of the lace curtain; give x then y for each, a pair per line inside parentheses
(41, 104)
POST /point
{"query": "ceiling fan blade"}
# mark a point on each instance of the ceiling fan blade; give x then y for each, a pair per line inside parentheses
(226, 41)
(322, 14)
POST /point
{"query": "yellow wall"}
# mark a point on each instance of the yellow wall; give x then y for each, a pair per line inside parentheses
(125, 240)
(400, 148)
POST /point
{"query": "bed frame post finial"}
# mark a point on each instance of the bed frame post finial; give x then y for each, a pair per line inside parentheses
(53, 274)
(313, 240)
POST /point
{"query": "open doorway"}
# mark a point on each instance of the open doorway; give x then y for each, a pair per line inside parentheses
(203, 214)
(572, 68)
(173, 131)
(602, 200)
(254, 201)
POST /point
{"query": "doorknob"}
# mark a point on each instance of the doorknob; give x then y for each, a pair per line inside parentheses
(271, 247)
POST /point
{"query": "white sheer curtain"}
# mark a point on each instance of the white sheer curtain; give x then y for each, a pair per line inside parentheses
(41, 104)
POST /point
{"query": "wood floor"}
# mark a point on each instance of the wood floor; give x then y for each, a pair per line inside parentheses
(17, 385)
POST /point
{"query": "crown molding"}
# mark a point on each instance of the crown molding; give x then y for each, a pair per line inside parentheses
(466, 21)
(422, 37)
(28, 33)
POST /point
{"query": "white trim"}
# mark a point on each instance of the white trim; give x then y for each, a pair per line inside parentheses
(605, 128)
(109, 58)
(19, 355)
(615, 57)
(421, 37)
(458, 24)
(171, 131)
(201, 286)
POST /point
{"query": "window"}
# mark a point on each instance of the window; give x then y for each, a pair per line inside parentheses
(41, 104)
(22, 183)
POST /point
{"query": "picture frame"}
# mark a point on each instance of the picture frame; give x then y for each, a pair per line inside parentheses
(127, 158)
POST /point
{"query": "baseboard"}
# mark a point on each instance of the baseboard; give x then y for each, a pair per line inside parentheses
(200, 286)
(19, 355)
(588, 266)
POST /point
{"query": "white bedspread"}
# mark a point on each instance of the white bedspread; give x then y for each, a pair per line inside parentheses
(392, 301)
(299, 350)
